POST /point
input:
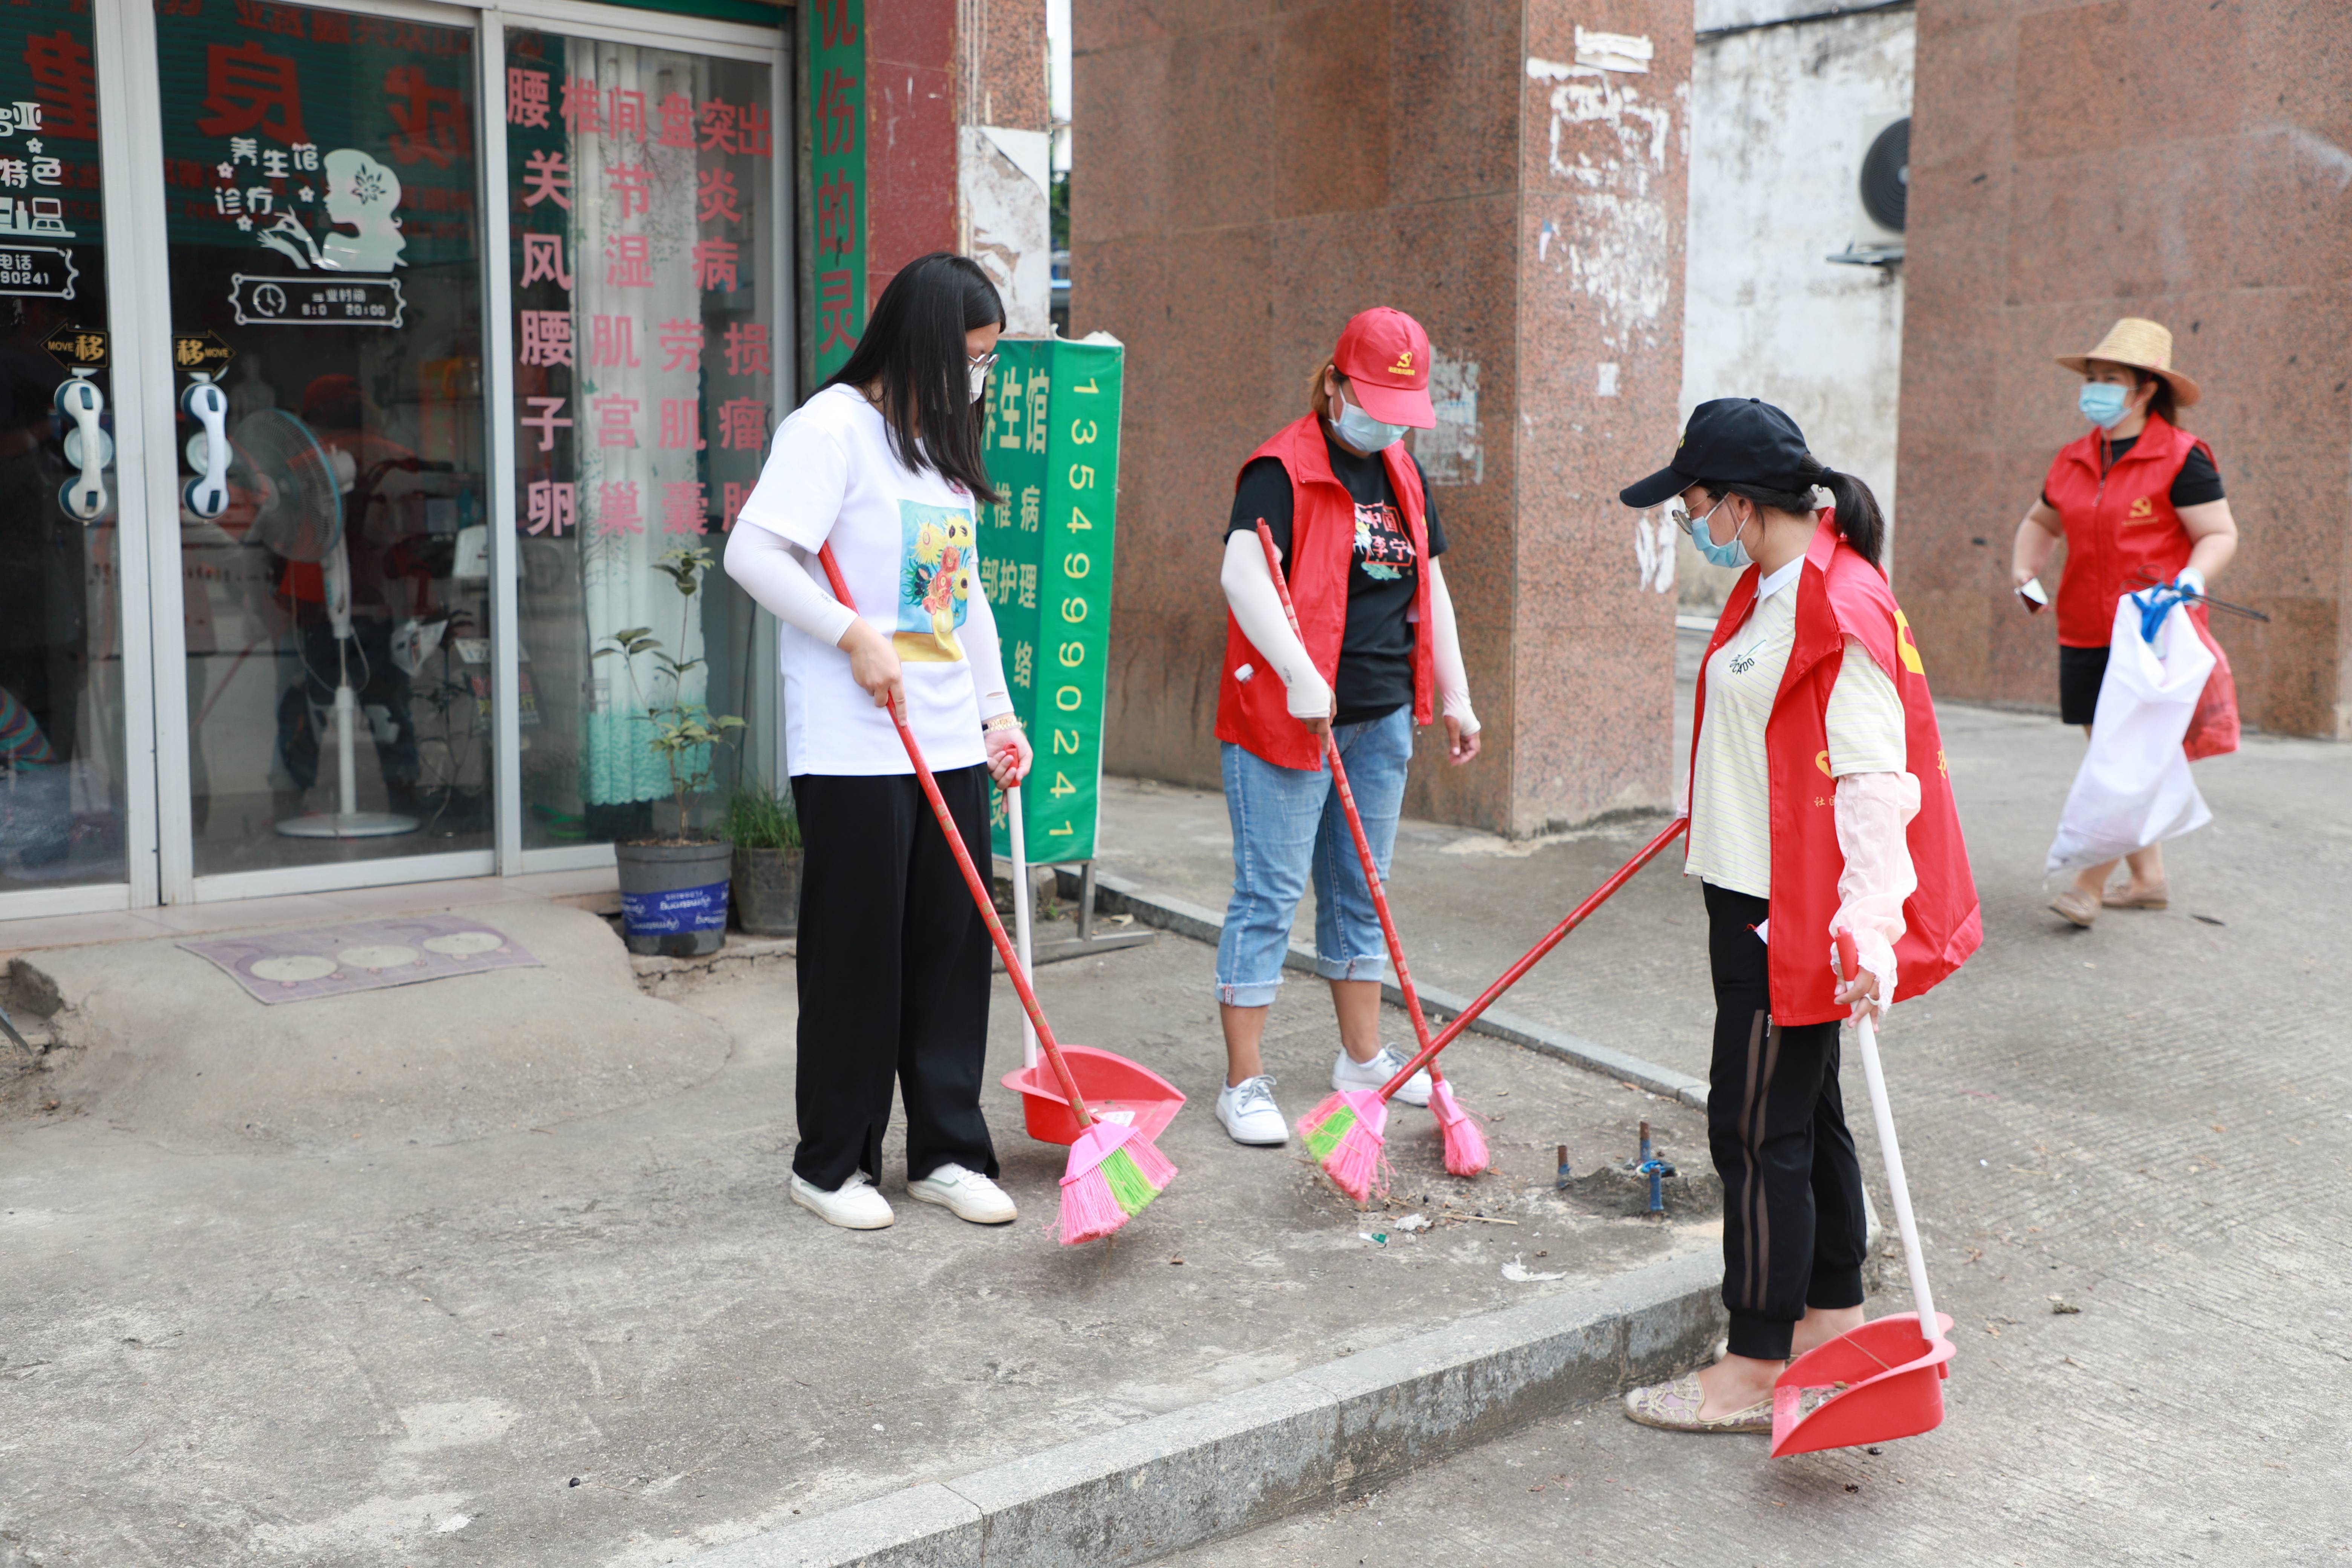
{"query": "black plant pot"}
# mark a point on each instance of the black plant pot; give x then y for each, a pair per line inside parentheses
(767, 890)
(674, 897)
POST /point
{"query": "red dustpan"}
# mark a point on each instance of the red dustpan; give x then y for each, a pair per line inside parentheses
(1116, 1089)
(1885, 1378)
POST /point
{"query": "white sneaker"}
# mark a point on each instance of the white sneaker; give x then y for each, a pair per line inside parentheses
(1250, 1115)
(967, 1195)
(855, 1206)
(1350, 1073)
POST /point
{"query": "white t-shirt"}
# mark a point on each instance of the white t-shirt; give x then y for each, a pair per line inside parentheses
(905, 543)
(1731, 793)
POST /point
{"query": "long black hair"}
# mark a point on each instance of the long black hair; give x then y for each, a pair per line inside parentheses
(1859, 520)
(912, 354)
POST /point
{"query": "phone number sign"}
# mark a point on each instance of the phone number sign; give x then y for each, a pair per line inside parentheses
(1045, 566)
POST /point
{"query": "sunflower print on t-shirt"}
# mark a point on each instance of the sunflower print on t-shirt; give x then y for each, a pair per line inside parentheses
(934, 582)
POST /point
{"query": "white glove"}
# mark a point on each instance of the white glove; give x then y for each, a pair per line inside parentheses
(1257, 610)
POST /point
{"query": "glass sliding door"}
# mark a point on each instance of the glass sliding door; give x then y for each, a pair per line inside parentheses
(646, 329)
(322, 225)
(64, 806)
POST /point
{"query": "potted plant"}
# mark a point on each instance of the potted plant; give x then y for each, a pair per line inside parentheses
(674, 889)
(766, 887)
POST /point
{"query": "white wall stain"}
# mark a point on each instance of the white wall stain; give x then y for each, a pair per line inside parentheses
(1455, 453)
(1653, 550)
(1604, 380)
(1002, 176)
(1620, 252)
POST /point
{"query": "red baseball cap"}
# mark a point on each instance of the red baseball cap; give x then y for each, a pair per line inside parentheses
(1384, 355)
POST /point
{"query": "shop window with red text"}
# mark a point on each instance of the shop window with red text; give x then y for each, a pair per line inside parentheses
(644, 391)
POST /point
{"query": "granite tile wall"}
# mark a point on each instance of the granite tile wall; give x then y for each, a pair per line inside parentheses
(1247, 176)
(910, 134)
(2174, 159)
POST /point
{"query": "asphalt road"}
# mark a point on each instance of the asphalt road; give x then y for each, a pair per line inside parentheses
(2150, 1122)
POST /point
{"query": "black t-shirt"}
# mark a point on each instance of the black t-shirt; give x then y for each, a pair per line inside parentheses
(2197, 483)
(1375, 677)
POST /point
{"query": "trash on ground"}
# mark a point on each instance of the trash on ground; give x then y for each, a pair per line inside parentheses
(1409, 1223)
(1377, 1238)
(1518, 1273)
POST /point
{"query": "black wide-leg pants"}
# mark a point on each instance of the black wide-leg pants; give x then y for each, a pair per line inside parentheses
(1794, 1234)
(893, 964)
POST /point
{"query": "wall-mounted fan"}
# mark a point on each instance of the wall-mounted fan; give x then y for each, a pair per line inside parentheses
(298, 514)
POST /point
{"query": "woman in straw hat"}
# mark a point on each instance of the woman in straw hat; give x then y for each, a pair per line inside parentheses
(2139, 501)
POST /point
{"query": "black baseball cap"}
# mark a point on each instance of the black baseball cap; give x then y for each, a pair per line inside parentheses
(1730, 440)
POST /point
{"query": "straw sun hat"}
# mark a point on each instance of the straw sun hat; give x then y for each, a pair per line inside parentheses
(2140, 343)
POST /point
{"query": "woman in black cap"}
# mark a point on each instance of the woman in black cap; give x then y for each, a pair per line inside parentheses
(1819, 802)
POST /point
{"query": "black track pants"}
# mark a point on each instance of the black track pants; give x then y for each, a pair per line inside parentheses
(1793, 1230)
(894, 973)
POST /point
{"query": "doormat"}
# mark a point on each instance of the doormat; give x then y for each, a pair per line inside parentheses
(333, 960)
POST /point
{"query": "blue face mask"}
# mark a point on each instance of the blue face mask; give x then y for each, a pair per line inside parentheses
(2102, 403)
(1363, 432)
(1734, 554)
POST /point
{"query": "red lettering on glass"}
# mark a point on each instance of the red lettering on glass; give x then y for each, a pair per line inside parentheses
(616, 340)
(677, 113)
(742, 425)
(542, 257)
(580, 114)
(754, 134)
(681, 423)
(617, 509)
(432, 121)
(730, 505)
(244, 83)
(545, 177)
(719, 127)
(716, 195)
(547, 419)
(684, 508)
(550, 506)
(546, 337)
(616, 419)
(681, 344)
(746, 349)
(628, 114)
(714, 265)
(526, 96)
(633, 184)
(630, 262)
(65, 82)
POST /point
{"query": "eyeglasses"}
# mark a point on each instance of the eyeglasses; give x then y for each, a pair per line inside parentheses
(1681, 518)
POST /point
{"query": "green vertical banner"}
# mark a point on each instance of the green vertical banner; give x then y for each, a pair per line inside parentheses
(1045, 566)
(834, 47)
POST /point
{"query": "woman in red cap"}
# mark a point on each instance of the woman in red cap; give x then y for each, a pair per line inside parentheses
(1819, 803)
(1350, 514)
(2138, 501)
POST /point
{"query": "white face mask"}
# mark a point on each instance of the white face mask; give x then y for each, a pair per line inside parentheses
(979, 374)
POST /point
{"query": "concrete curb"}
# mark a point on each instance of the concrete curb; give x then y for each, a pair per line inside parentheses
(1314, 1439)
(1118, 896)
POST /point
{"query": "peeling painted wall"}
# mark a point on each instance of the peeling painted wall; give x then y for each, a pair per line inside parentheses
(1780, 119)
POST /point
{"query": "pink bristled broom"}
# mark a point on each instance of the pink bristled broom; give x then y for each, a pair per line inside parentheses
(1114, 1172)
(1345, 1133)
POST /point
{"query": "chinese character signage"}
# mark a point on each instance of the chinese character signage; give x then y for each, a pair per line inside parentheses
(1045, 566)
(834, 49)
(49, 157)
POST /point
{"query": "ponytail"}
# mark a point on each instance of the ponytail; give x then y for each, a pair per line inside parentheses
(1859, 520)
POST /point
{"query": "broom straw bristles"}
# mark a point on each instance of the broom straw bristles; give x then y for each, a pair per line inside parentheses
(1113, 1175)
(1465, 1145)
(1344, 1134)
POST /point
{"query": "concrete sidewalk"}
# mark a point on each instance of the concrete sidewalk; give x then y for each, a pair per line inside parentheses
(500, 1269)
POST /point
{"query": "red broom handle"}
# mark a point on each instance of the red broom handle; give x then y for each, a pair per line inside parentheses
(972, 875)
(1535, 955)
(1356, 830)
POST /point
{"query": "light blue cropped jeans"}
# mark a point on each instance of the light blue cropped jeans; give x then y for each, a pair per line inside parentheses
(1288, 824)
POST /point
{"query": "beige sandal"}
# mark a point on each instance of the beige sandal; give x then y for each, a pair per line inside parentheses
(1674, 1407)
(2156, 897)
(2077, 906)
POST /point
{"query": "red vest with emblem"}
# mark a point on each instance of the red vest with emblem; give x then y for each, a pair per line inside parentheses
(2119, 525)
(1840, 594)
(1253, 707)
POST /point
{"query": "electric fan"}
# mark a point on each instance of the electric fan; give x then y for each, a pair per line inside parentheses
(298, 514)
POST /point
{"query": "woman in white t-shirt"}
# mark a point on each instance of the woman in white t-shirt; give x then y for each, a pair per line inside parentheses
(887, 463)
(1819, 804)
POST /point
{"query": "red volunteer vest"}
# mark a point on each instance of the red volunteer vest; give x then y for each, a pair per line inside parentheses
(1253, 707)
(1840, 594)
(2117, 526)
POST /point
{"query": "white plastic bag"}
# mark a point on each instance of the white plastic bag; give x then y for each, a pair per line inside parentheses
(2134, 789)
